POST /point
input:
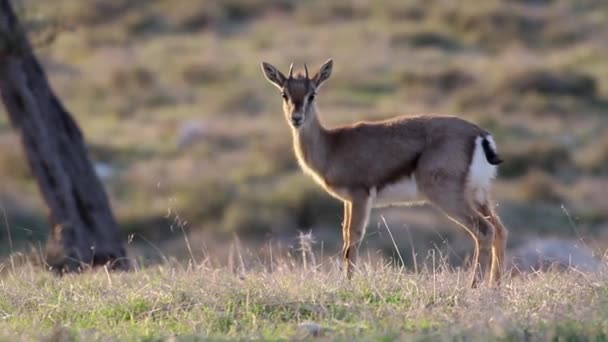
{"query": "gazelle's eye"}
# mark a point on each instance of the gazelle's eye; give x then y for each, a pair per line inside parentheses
(311, 97)
(284, 96)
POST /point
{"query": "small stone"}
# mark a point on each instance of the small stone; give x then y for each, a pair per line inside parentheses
(311, 329)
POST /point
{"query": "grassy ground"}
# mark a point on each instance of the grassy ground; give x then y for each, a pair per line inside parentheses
(285, 299)
(171, 100)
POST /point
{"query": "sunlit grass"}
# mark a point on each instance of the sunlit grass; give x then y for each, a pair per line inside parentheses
(132, 91)
(295, 297)
(136, 73)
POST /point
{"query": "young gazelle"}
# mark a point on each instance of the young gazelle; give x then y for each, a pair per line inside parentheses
(443, 160)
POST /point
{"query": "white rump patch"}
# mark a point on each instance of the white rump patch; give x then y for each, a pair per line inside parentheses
(490, 139)
(481, 172)
(402, 192)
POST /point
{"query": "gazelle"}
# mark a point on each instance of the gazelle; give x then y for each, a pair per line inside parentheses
(444, 160)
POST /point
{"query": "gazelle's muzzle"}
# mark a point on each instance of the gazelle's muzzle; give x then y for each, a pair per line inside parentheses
(297, 119)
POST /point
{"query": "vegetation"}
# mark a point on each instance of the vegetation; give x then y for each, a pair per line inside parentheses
(286, 299)
(173, 103)
(178, 115)
(190, 142)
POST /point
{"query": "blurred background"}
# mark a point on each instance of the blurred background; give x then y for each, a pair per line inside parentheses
(191, 144)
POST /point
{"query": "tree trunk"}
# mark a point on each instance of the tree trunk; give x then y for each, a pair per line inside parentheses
(85, 232)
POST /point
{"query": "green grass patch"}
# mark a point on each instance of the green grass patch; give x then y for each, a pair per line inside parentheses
(380, 303)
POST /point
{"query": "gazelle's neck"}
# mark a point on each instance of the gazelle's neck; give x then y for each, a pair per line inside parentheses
(311, 144)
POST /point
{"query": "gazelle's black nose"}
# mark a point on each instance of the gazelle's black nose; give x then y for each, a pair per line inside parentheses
(296, 122)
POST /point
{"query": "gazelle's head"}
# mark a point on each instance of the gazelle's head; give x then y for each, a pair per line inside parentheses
(298, 91)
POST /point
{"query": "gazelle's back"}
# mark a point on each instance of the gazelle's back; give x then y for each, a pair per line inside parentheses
(385, 151)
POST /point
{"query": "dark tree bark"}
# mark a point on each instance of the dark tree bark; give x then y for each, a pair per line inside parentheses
(85, 232)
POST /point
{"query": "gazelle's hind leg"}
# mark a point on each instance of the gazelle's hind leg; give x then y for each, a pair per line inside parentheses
(459, 209)
(483, 234)
(451, 184)
(499, 244)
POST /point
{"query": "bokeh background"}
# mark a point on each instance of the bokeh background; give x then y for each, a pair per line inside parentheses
(191, 144)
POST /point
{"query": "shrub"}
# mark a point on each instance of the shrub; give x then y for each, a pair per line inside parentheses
(135, 78)
(242, 100)
(317, 12)
(544, 156)
(208, 200)
(594, 157)
(294, 201)
(250, 216)
(426, 39)
(492, 24)
(548, 82)
(197, 74)
(400, 11)
(537, 186)
(442, 80)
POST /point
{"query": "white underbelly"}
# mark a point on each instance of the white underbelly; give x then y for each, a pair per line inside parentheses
(402, 192)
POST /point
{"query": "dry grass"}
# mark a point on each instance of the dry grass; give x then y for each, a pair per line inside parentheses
(141, 76)
(137, 73)
(287, 298)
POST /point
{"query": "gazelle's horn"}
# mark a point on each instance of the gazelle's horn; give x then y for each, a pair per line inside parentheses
(291, 70)
(306, 70)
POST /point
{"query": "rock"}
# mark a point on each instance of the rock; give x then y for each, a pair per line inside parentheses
(59, 334)
(554, 254)
(103, 170)
(189, 132)
(311, 329)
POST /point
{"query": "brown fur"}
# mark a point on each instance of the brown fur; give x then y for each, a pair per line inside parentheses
(355, 162)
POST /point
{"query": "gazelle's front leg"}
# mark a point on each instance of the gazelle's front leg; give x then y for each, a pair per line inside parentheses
(345, 224)
(358, 214)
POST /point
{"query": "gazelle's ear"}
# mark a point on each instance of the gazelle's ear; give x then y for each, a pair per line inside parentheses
(324, 72)
(273, 75)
